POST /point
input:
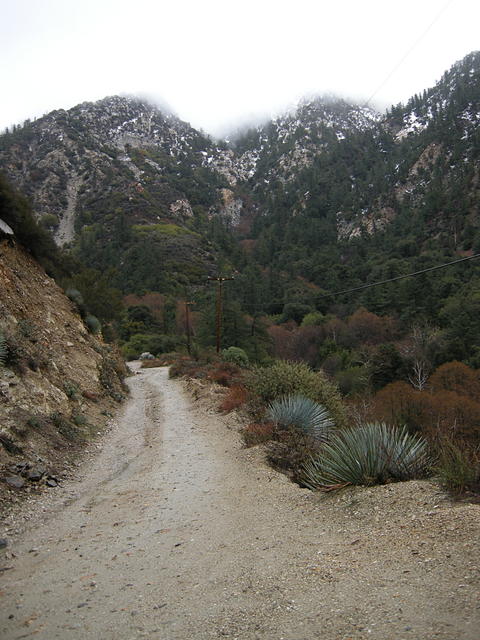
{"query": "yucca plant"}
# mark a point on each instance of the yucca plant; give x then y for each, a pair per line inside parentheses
(301, 413)
(374, 453)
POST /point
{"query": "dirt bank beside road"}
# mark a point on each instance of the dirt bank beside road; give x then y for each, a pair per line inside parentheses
(177, 532)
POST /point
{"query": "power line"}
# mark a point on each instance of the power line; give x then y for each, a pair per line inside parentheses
(409, 51)
(406, 275)
(376, 283)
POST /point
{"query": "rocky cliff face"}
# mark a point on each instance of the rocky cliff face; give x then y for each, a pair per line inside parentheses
(58, 383)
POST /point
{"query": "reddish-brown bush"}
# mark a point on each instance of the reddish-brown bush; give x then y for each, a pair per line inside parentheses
(449, 414)
(186, 367)
(164, 360)
(91, 395)
(306, 342)
(398, 403)
(458, 377)
(368, 328)
(235, 398)
(224, 373)
(283, 338)
(439, 412)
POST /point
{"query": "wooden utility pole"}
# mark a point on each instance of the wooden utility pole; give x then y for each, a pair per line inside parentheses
(188, 327)
(218, 328)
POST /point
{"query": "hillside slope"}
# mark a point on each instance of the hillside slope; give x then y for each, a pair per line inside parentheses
(112, 177)
(58, 383)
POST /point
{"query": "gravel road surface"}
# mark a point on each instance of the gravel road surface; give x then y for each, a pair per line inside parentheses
(177, 532)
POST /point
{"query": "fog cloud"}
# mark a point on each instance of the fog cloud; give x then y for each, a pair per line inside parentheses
(222, 63)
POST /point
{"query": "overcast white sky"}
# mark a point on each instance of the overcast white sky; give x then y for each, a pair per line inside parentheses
(218, 63)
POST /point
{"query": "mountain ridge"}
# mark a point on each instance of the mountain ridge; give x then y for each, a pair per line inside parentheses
(109, 177)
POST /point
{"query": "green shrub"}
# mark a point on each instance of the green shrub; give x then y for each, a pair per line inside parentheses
(76, 297)
(12, 352)
(70, 388)
(295, 311)
(26, 329)
(371, 454)
(17, 213)
(93, 324)
(49, 221)
(36, 422)
(110, 376)
(352, 380)
(302, 413)
(235, 355)
(313, 319)
(79, 419)
(9, 445)
(284, 378)
(162, 228)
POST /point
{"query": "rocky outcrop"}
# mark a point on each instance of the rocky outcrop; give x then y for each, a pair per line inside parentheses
(231, 208)
(367, 222)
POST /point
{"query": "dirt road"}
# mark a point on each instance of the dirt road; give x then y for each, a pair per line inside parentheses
(177, 532)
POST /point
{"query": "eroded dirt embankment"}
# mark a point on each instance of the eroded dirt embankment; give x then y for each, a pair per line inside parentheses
(177, 532)
(59, 383)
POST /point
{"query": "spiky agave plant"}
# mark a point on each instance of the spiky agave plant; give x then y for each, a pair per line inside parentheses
(301, 413)
(374, 453)
(407, 454)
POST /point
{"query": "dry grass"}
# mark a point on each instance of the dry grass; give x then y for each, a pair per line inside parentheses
(223, 373)
(458, 467)
(257, 432)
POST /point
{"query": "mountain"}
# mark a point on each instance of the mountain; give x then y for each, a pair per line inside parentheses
(133, 188)
(431, 158)
(122, 180)
(88, 155)
(406, 184)
(324, 197)
(290, 142)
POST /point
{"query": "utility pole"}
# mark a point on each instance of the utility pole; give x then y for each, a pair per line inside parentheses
(188, 328)
(219, 281)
